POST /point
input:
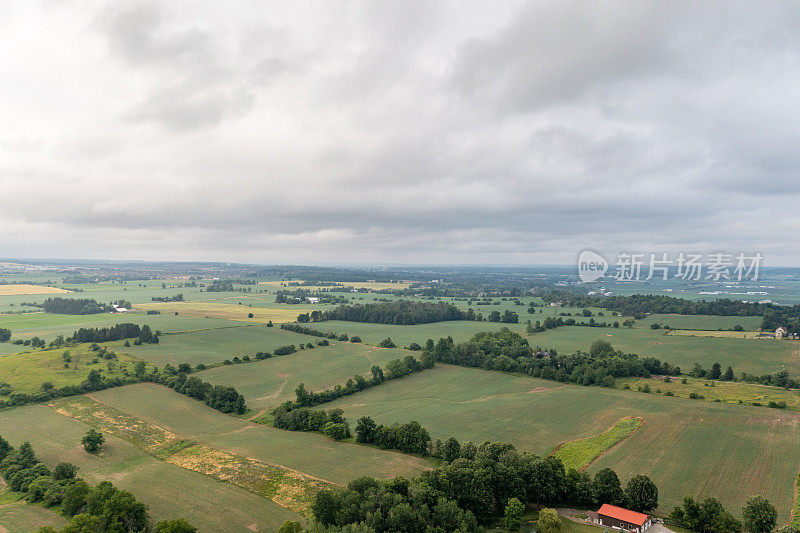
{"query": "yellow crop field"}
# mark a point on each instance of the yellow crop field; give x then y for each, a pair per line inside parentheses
(16, 290)
(227, 311)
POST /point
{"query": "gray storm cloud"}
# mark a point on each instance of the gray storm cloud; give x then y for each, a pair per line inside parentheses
(398, 131)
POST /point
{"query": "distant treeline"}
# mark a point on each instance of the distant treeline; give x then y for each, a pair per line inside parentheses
(788, 317)
(227, 285)
(115, 333)
(398, 312)
(510, 352)
(643, 304)
(80, 279)
(24, 282)
(640, 305)
(72, 306)
(177, 298)
(300, 295)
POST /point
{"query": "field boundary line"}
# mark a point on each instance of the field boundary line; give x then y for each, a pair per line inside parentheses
(794, 519)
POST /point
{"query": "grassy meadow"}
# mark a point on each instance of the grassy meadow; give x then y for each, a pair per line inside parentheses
(19, 516)
(209, 504)
(735, 392)
(685, 446)
(460, 330)
(213, 345)
(26, 371)
(269, 382)
(310, 453)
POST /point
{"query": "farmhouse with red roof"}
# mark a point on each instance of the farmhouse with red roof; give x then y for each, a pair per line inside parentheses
(620, 518)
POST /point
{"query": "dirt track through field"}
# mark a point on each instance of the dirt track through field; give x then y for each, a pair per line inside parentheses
(275, 394)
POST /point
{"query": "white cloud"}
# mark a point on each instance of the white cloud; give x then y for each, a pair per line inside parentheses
(397, 131)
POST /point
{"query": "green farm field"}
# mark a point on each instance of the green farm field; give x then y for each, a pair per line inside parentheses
(754, 356)
(213, 345)
(19, 516)
(460, 330)
(725, 391)
(685, 446)
(209, 504)
(26, 371)
(702, 322)
(310, 453)
(48, 325)
(269, 382)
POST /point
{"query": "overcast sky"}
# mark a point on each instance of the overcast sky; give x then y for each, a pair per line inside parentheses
(398, 132)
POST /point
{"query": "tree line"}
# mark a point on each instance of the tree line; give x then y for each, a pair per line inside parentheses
(396, 368)
(644, 304)
(510, 352)
(305, 330)
(398, 312)
(219, 397)
(177, 298)
(117, 332)
(102, 508)
(330, 423)
(298, 296)
(474, 488)
(73, 306)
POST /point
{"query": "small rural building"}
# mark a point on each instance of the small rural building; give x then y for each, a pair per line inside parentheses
(621, 518)
(781, 332)
(118, 309)
(312, 300)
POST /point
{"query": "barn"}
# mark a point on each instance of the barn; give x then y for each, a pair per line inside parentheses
(620, 518)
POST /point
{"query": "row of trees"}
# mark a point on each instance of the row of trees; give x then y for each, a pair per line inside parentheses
(177, 298)
(220, 286)
(99, 509)
(396, 368)
(410, 437)
(778, 379)
(222, 398)
(508, 317)
(510, 352)
(305, 330)
(709, 516)
(475, 488)
(72, 306)
(398, 312)
(114, 333)
(331, 423)
(645, 304)
(299, 296)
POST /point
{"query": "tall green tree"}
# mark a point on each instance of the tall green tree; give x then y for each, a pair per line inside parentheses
(642, 494)
(759, 515)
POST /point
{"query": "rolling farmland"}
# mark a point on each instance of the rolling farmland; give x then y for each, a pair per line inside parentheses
(270, 382)
(755, 356)
(754, 449)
